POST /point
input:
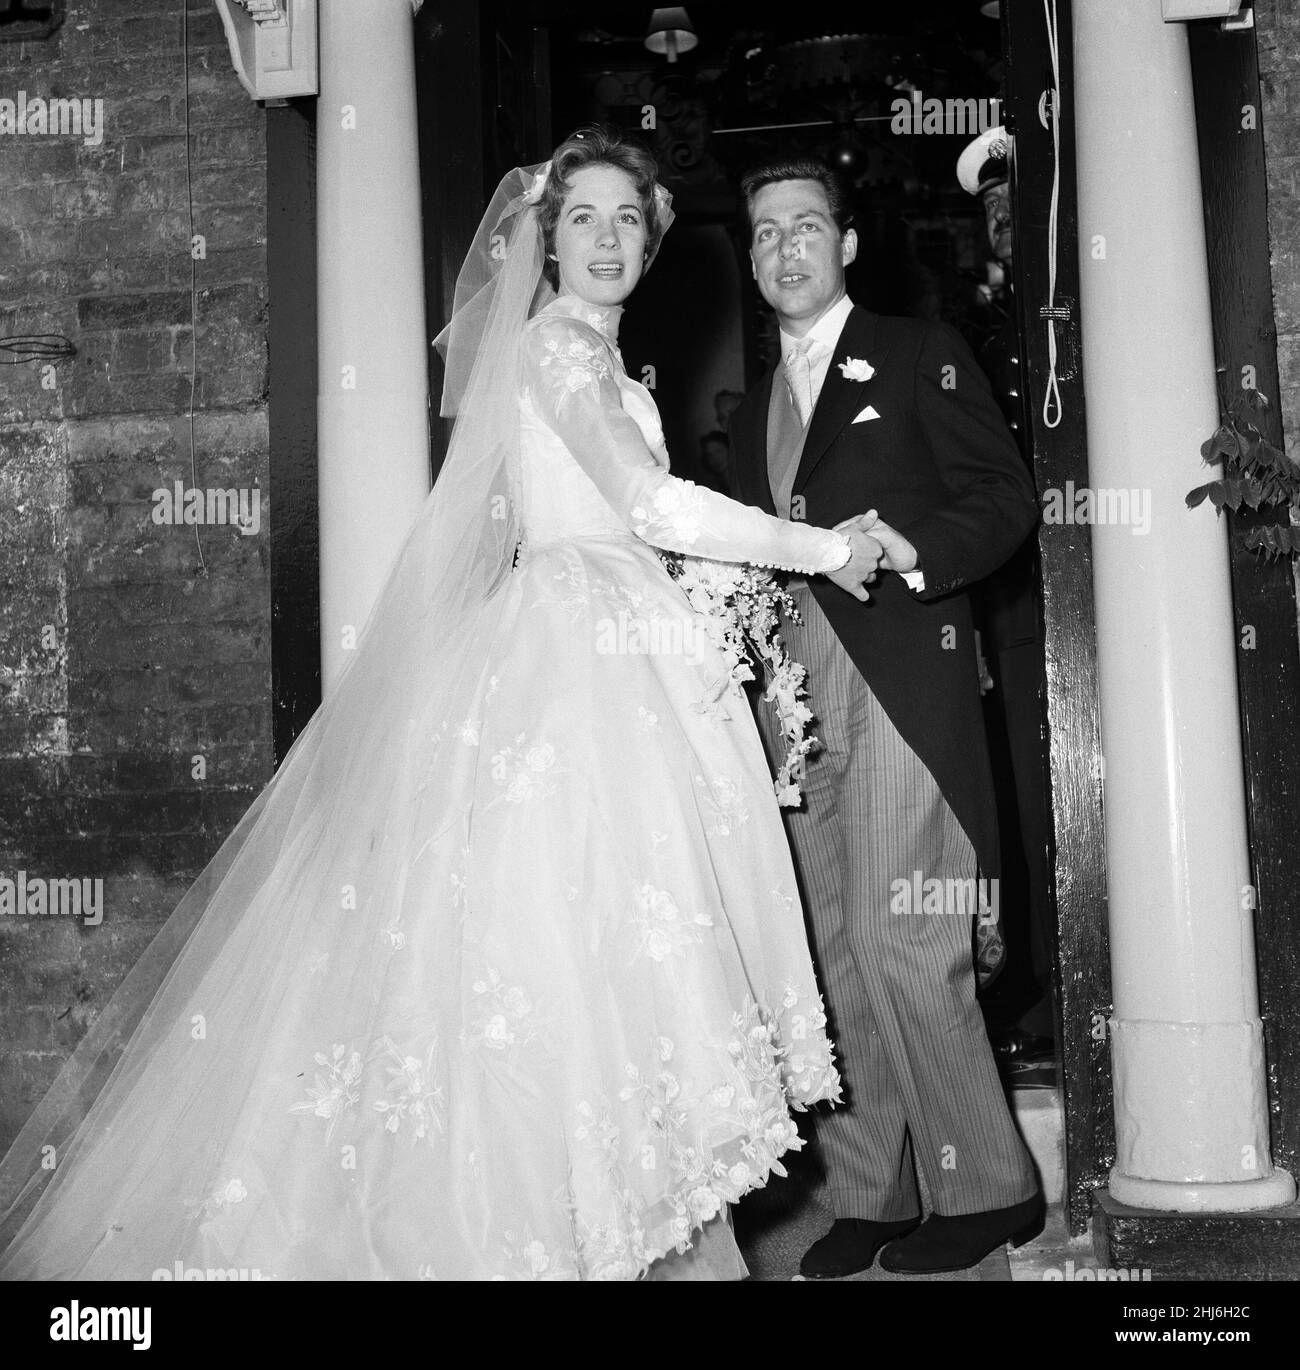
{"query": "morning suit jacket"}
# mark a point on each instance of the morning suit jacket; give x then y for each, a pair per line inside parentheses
(940, 466)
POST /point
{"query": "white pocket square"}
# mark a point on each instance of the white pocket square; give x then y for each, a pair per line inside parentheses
(868, 413)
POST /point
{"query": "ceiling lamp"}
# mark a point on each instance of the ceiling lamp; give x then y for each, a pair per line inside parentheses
(670, 32)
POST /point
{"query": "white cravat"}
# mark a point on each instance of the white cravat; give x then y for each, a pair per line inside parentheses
(798, 376)
(819, 343)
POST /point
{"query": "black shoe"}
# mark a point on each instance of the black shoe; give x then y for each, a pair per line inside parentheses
(941, 1244)
(850, 1246)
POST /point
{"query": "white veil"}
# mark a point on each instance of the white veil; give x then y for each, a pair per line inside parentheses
(238, 948)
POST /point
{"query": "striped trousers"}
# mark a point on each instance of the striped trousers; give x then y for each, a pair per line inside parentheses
(897, 973)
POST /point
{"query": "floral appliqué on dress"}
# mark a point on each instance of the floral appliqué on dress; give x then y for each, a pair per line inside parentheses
(676, 515)
(520, 771)
(663, 928)
(504, 1017)
(572, 366)
(337, 1090)
(414, 1093)
(725, 795)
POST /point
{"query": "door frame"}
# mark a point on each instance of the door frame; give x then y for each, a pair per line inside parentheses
(1234, 188)
(1081, 974)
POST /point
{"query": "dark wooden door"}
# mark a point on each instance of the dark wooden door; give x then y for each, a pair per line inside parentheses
(1070, 680)
(483, 94)
(291, 348)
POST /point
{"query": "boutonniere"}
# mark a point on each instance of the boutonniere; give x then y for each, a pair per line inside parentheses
(856, 369)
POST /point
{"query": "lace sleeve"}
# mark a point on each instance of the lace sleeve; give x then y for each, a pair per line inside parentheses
(569, 373)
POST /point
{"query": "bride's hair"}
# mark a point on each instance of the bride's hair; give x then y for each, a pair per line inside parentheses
(597, 145)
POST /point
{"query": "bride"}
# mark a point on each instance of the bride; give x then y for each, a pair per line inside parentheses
(503, 975)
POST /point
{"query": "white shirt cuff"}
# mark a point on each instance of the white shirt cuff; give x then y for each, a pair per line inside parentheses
(915, 579)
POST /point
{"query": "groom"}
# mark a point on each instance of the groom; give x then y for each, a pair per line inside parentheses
(891, 415)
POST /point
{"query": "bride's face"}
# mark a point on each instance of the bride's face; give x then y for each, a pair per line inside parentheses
(600, 237)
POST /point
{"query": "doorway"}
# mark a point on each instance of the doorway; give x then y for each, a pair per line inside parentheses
(756, 81)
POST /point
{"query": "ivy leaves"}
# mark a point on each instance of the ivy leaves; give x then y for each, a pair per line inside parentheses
(1256, 475)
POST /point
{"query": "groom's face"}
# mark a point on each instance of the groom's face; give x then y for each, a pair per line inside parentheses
(798, 252)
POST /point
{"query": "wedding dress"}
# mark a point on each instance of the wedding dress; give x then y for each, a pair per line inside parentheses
(516, 991)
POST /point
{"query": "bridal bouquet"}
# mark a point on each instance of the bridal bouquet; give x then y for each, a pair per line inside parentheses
(741, 607)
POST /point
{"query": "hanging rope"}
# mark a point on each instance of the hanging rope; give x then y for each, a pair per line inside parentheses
(1052, 399)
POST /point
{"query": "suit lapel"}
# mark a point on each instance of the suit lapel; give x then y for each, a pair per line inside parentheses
(840, 399)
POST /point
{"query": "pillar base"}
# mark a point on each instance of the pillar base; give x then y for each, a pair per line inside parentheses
(1190, 1109)
(1263, 1245)
(1175, 1196)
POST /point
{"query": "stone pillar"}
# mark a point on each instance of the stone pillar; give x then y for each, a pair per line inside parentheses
(372, 411)
(1186, 1039)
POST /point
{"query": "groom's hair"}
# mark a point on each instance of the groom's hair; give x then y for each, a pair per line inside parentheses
(798, 169)
(597, 145)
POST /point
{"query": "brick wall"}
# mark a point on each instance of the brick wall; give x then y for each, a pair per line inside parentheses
(1278, 39)
(123, 657)
(1277, 24)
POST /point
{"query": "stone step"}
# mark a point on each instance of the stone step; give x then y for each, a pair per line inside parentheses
(1040, 1115)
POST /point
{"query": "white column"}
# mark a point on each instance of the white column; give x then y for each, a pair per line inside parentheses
(1186, 1040)
(372, 411)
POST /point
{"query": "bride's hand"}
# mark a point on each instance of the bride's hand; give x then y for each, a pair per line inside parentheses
(864, 557)
(899, 554)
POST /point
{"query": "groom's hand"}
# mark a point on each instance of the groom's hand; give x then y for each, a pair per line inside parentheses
(864, 557)
(898, 554)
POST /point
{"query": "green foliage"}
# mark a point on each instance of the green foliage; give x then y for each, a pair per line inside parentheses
(1256, 475)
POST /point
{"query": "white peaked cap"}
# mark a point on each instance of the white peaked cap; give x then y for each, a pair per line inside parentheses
(984, 161)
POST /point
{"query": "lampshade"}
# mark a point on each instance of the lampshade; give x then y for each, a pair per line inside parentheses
(992, 8)
(670, 32)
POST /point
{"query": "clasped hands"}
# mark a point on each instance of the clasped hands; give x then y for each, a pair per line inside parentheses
(873, 545)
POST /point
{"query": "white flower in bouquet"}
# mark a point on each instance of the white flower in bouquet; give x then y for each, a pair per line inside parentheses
(741, 607)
